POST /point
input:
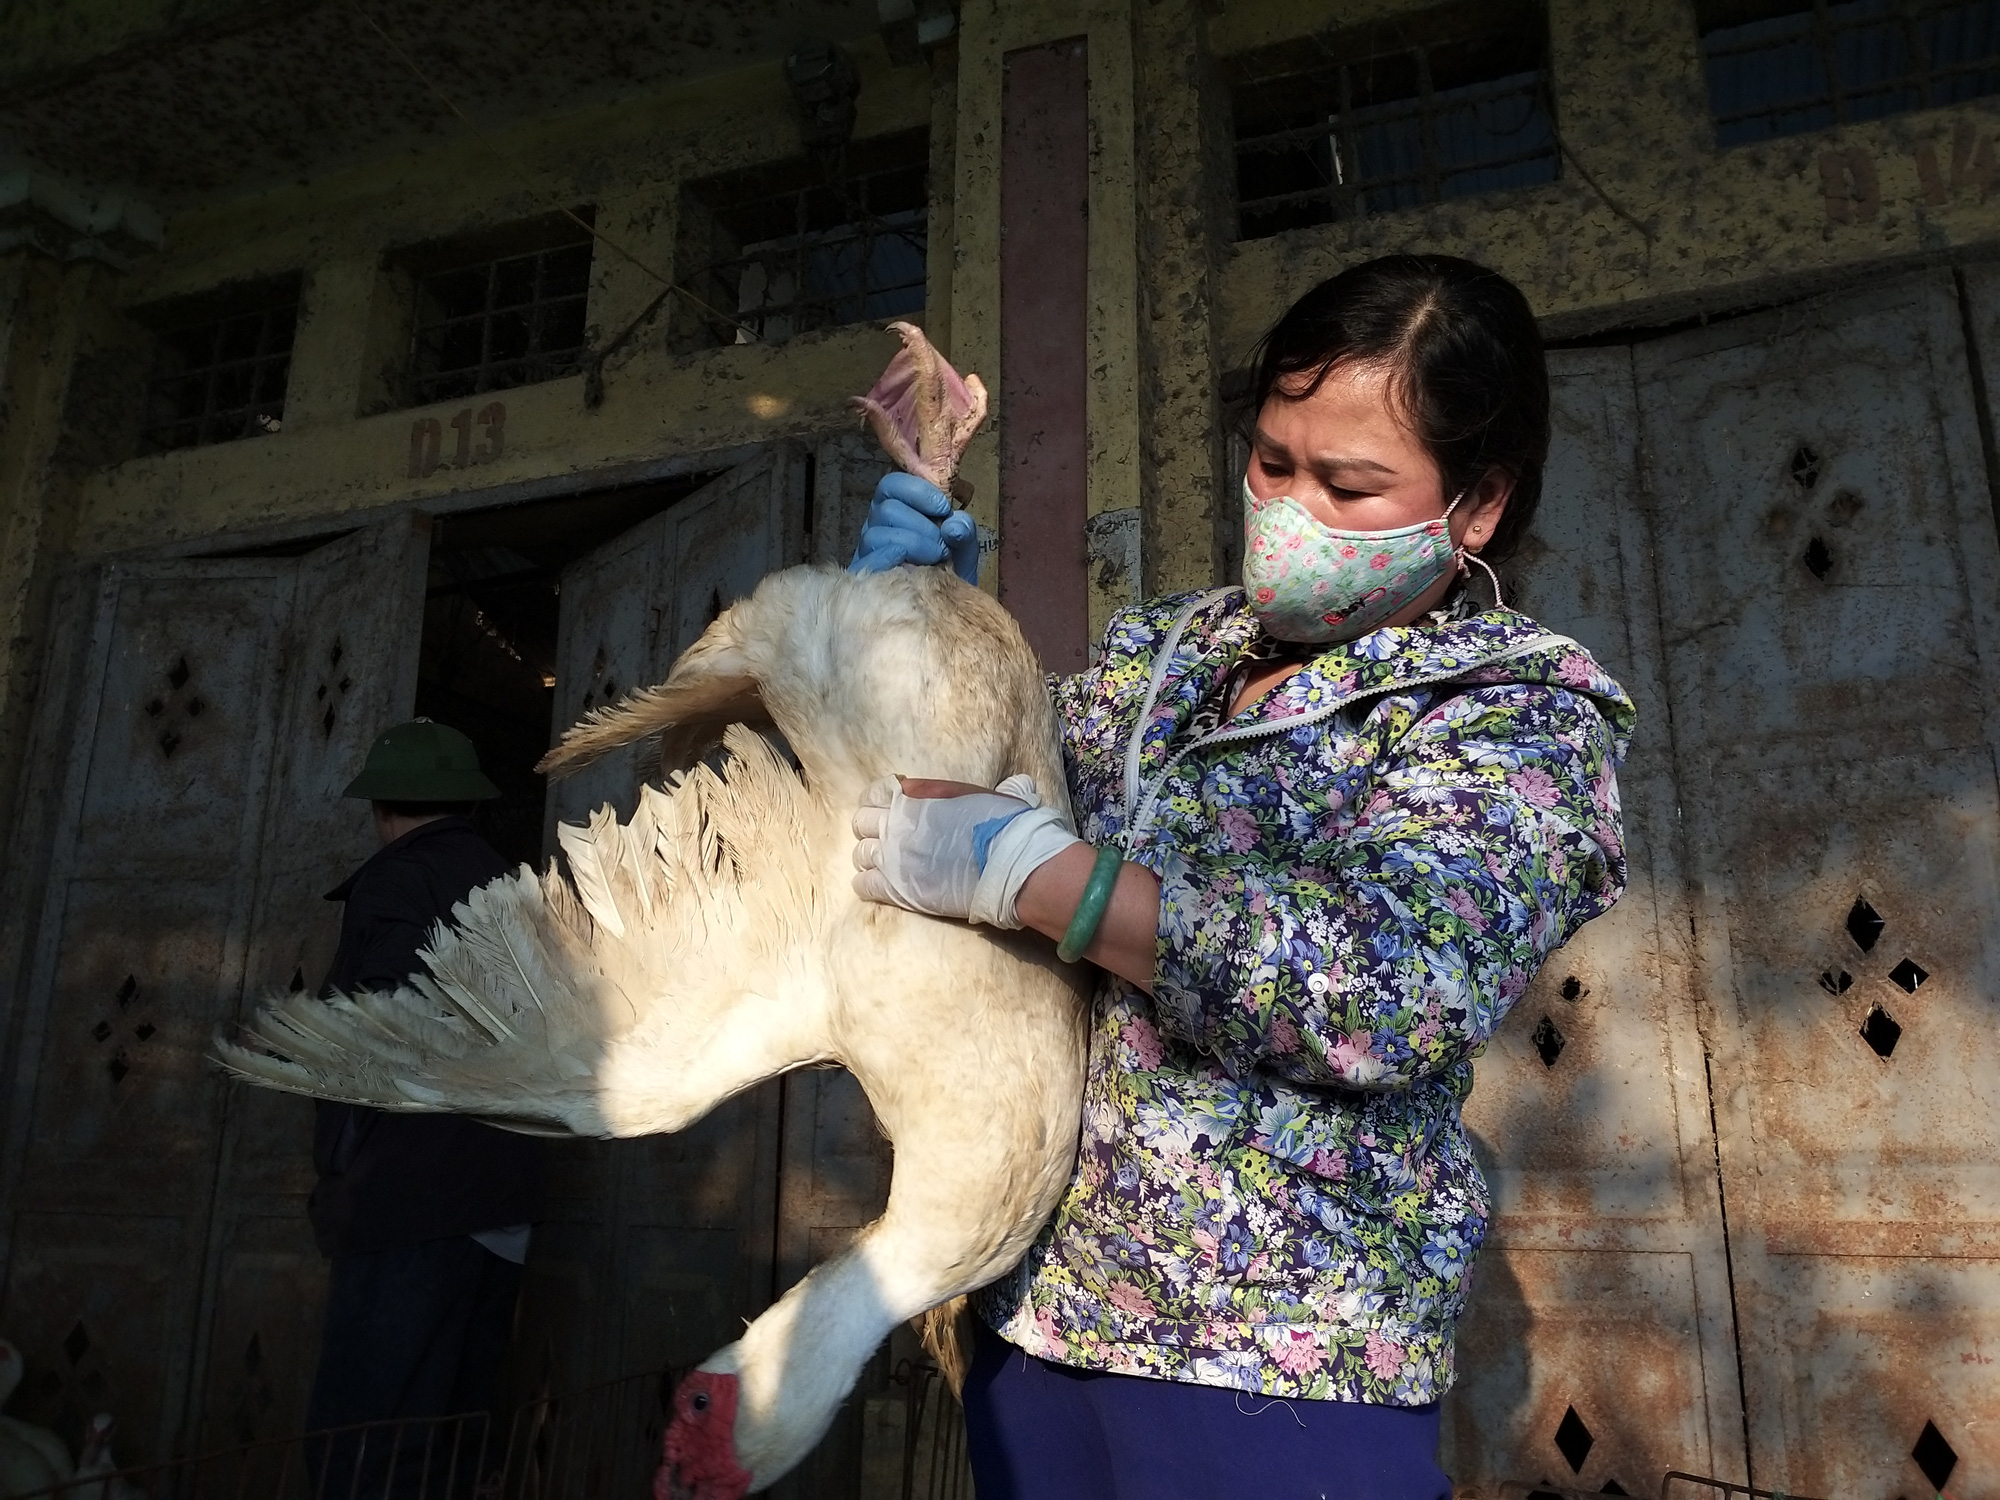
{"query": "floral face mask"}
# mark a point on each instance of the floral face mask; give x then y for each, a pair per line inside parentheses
(1310, 582)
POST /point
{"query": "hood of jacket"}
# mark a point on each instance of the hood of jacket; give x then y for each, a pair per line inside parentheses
(1209, 632)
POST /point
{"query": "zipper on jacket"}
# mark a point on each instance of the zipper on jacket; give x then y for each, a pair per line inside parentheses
(1141, 817)
(1157, 679)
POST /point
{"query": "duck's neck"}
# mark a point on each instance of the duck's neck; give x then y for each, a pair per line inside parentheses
(797, 1362)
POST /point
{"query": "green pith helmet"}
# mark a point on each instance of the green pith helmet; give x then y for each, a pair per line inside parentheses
(422, 762)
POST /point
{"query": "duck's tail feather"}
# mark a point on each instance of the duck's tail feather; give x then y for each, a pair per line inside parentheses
(946, 1331)
(585, 1008)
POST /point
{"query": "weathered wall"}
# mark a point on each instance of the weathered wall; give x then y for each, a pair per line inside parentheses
(46, 312)
(1646, 225)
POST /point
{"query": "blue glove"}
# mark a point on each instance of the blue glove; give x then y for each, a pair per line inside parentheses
(911, 521)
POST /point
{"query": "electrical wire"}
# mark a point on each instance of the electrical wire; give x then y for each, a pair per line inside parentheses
(582, 223)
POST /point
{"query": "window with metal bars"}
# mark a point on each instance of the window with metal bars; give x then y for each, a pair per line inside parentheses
(1781, 69)
(504, 309)
(220, 365)
(1390, 116)
(807, 244)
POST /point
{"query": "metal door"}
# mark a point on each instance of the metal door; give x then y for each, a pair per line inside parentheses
(352, 655)
(655, 1250)
(846, 468)
(633, 605)
(1831, 634)
(833, 1180)
(165, 906)
(1598, 1347)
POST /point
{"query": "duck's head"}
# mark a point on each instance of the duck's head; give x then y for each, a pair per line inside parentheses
(699, 1461)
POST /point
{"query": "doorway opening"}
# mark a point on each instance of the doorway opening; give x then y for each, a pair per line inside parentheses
(487, 663)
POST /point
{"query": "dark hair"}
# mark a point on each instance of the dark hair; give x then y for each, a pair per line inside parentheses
(428, 809)
(1465, 362)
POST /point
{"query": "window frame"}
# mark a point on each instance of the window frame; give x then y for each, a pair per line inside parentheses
(274, 301)
(1344, 55)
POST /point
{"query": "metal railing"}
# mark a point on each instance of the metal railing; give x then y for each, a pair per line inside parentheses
(601, 1442)
(1722, 1486)
(934, 1458)
(431, 1459)
(222, 379)
(1833, 62)
(1517, 1489)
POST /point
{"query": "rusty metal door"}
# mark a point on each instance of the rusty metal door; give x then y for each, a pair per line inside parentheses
(846, 467)
(1830, 620)
(351, 658)
(131, 1229)
(1599, 1349)
(655, 1250)
(833, 1180)
(633, 605)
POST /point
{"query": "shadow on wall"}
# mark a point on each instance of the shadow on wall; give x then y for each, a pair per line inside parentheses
(1493, 1358)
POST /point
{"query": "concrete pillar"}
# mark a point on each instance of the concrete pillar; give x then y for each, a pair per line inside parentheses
(642, 221)
(331, 345)
(1101, 567)
(1189, 503)
(43, 308)
(1044, 346)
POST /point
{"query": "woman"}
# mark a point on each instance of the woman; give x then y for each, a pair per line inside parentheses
(1331, 824)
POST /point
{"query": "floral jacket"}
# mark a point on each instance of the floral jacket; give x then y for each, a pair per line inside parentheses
(1359, 876)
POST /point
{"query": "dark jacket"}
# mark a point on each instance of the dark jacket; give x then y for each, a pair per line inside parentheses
(385, 1179)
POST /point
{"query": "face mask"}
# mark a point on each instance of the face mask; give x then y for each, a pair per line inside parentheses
(1310, 582)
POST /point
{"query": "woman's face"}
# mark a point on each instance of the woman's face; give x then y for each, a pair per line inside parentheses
(1346, 454)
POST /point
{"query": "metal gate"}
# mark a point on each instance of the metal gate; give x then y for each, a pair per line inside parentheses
(1745, 1132)
(156, 1255)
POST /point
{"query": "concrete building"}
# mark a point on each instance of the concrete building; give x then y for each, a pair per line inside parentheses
(362, 357)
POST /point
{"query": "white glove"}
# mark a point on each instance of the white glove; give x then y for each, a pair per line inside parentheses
(966, 856)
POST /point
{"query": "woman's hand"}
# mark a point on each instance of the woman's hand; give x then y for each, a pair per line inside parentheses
(911, 521)
(951, 849)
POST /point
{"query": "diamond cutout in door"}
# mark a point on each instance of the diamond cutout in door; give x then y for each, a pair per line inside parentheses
(1934, 1456)
(1881, 1032)
(1864, 924)
(1573, 1440)
(1549, 1042)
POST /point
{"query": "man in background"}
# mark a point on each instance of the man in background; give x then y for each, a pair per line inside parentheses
(425, 1217)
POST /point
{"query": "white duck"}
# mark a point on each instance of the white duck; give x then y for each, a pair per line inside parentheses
(715, 941)
(96, 1462)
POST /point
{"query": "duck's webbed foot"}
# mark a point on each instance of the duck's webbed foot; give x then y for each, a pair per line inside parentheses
(922, 411)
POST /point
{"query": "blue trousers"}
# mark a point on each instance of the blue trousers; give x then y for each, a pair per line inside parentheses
(1042, 1431)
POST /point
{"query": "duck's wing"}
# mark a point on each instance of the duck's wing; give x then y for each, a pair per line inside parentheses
(678, 963)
